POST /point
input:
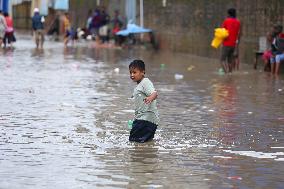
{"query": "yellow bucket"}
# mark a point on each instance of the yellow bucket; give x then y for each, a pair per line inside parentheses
(216, 42)
(219, 35)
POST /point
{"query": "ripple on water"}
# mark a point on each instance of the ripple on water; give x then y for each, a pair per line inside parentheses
(64, 114)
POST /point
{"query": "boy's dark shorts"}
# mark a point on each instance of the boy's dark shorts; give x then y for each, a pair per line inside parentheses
(142, 131)
(228, 54)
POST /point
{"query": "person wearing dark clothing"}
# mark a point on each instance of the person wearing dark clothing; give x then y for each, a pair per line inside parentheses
(104, 31)
(277, 48)
(96, 22)
(54, 27)
(38, 28)
(117, 25)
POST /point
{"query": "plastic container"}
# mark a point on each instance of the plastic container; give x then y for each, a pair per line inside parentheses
(129, 124)
(221, 71)
(116, 70)
(178, 76)
(219, 36)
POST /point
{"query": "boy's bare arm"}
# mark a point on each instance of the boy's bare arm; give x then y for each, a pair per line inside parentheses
(150, 98)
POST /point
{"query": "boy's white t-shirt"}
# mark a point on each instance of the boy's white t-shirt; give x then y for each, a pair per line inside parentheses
(143, 111)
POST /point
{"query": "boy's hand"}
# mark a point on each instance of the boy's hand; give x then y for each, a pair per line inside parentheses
(148, 100)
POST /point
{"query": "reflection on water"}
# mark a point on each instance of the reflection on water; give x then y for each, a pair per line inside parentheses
(225, 98)
(64, 112)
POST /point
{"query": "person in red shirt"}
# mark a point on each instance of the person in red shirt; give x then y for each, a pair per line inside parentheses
(233, 25)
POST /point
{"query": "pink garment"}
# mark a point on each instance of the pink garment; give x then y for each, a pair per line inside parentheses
(9, 22)
(267, 55)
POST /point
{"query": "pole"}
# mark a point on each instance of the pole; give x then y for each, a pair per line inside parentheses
(141, 14)
(5, 7)
(141, 17)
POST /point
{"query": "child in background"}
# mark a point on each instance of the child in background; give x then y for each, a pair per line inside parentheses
(67, 29)
(267, 54)
(277, 49)
(9, 34)
(146, 112)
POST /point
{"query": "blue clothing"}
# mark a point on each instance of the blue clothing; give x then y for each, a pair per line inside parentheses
(36, 22)
(278, 58)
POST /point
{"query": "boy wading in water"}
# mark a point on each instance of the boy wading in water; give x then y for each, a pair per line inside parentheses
(146, 113)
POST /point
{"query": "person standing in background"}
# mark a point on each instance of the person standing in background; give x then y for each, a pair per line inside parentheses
(104, 30)
(233, 25)
(89, 21)
(3, 26)
(38, 28)
(117, 25)
(9, 34)
(277, 49)
(69, 32)
(267, 54)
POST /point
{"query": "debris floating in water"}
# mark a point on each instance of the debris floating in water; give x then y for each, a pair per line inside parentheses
(116, 70)
(235, 178)
(178, 76)
(221, 71)
(223, 157)
(190, 68)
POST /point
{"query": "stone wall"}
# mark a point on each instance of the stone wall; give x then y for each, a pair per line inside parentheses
(188, 25)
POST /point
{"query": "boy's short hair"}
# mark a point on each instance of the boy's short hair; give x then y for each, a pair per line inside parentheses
(139, 64)
(232, 12)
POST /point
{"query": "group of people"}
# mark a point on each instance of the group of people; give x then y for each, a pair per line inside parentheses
(38, 29)
(101, 26)
(7, 35)
(272, 56)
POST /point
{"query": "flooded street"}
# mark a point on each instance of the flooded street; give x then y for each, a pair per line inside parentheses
(64, 113)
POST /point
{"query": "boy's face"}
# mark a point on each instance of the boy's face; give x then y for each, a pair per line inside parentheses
(136, 74)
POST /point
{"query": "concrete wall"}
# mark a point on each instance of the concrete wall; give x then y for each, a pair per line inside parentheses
(188, 25)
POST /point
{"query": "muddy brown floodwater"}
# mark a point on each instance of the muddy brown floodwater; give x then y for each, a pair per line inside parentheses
(64, 113)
